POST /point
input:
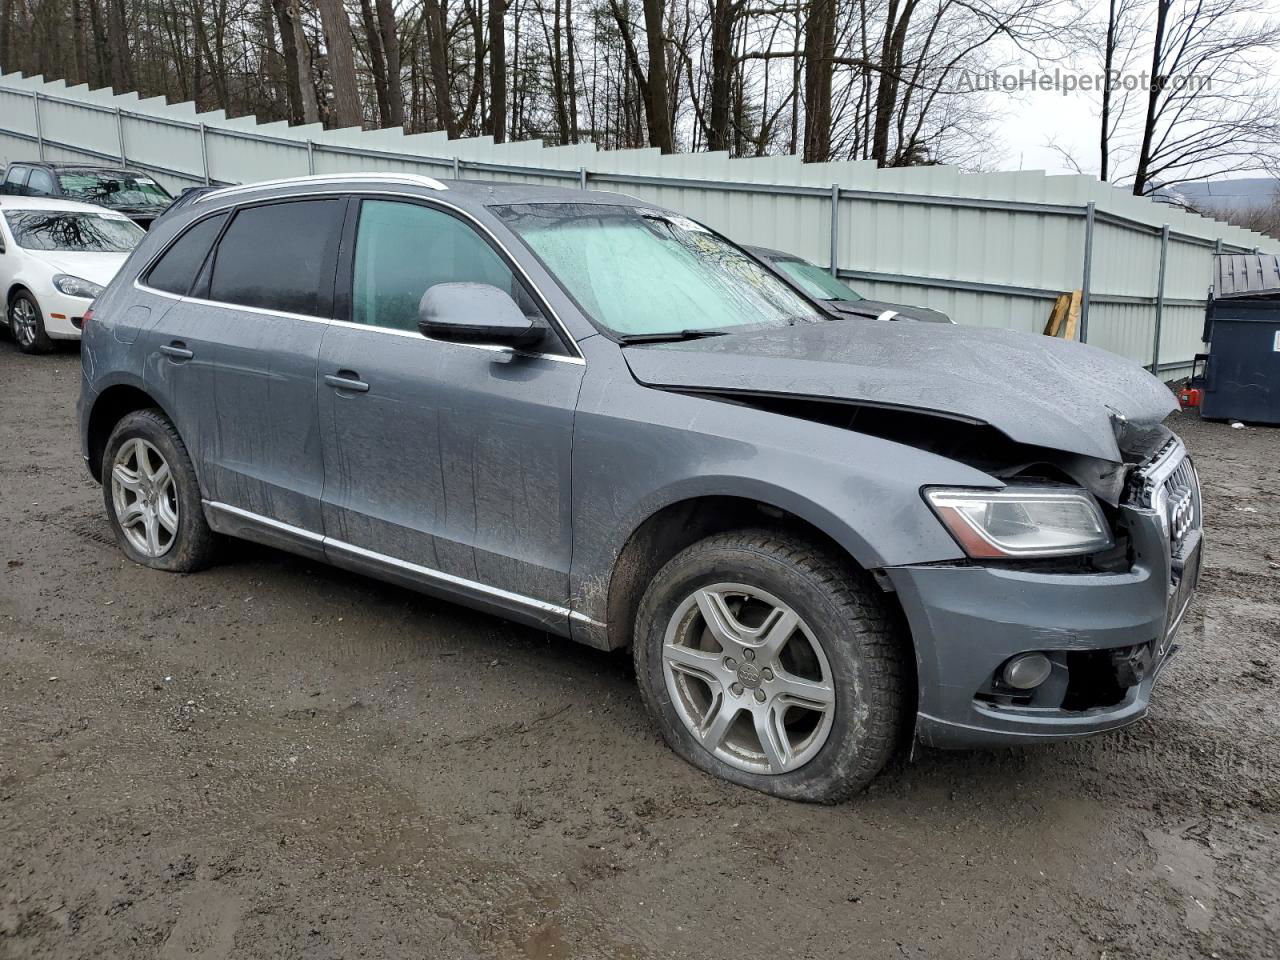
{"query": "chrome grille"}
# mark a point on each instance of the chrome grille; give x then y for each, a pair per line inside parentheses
(1169, 485)
(1182, 507)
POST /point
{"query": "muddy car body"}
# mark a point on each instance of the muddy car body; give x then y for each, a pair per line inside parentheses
(778, 517)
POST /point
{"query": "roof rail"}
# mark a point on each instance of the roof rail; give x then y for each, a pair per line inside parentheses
(415, 179)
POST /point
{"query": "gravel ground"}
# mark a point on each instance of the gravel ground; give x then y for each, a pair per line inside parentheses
(276, 759)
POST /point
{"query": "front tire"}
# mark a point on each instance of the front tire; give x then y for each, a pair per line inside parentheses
(770, 662)
(152, 495)
(26, 323)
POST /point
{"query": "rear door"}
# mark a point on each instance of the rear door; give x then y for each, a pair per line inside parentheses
(446, 464)
(174, 339)
(262, 305)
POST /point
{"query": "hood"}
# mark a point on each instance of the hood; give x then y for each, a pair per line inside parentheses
(97, 267)
(1036, 390)
(874, 309)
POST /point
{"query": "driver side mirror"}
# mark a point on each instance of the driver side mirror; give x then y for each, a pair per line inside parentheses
(475, 313)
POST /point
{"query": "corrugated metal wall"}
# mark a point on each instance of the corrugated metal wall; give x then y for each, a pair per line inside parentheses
(991, 249)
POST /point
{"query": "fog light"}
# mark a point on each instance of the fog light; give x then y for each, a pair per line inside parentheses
(1027, 670)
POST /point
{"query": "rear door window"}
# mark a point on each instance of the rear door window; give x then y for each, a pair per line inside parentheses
(40, 184)
(280, 256)
(176, 270)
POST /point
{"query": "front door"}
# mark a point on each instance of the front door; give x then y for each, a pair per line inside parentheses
(447, 465)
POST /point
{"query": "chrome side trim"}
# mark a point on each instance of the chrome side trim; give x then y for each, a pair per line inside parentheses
(239, 189)
(278, 526)
(491, 347)
(391, 331)
(417, 570)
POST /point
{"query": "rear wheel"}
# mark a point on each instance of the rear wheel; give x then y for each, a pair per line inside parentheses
(152, 495)
(768, 661)
(26, 323)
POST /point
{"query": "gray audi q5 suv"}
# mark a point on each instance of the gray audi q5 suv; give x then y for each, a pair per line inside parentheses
(601, 418)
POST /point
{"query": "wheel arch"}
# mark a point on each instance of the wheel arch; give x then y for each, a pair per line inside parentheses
(109, 408)
(666, 531)
(15, 288)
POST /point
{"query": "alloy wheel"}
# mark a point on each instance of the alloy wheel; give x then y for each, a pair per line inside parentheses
(144, 497)
(23, 321)
(748, 678)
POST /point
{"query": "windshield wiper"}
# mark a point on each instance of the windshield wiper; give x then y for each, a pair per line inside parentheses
(671, 336)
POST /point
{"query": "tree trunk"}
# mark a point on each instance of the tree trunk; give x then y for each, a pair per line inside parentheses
(558, 92)
(377, 65)
(891, 54)
(659, 117)
(498, 70)
(819, 49)
(342, 65)
(722, 17)
(6, 28)
(391, 50)
(1153, 99)
(438, 50)
(573, 72)
(78, 40)
(118, 45)
(274, 82)
(289, 51)
(306, 81)
(1108, 58)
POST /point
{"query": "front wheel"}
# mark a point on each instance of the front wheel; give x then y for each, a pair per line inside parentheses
(26, 323)
(768, 661)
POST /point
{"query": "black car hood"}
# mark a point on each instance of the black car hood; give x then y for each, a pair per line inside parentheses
(1036, 390)
(874, 309)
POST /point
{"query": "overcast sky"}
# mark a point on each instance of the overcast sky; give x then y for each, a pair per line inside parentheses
(1028, 120)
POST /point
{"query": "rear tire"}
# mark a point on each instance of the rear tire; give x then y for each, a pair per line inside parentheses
(773, 663)
(26, 324)
(152, 495)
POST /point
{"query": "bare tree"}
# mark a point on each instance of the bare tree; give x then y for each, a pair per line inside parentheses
(1211, 107)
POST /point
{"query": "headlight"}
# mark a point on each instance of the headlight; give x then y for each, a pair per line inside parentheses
(1022, 521)
(75, 287)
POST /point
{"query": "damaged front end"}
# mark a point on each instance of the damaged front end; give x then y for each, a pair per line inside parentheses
(1025, 650)
(1096, 636)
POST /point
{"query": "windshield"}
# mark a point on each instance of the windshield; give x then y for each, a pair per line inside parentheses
(638, 271)
(114, 190)
(67, 230)
(815, 281)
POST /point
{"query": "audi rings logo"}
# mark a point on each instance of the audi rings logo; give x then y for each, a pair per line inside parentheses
(1181, 512)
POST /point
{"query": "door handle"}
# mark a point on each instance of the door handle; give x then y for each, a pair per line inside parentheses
(346, 380)
(177, 350)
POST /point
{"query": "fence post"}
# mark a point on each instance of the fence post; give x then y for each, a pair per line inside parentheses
(204, 153)
(1164, 257)
(311, 156)
(124, 154)
(35, 102)
(457, 168)
(835, 229)
(582, 178)
(1088, 271)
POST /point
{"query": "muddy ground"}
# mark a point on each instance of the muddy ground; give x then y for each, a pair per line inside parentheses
(275, 759)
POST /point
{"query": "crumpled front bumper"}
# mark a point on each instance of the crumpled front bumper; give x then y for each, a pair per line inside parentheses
(967, 620)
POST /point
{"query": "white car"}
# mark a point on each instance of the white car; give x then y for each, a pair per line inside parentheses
(55, 257)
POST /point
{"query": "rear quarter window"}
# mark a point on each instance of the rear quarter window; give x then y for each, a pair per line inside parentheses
(176, 269)
(280, 256)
